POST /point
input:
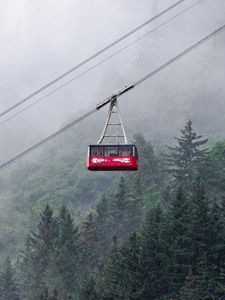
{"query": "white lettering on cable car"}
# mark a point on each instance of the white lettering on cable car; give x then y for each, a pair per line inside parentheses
(98, 160)
(122, 160)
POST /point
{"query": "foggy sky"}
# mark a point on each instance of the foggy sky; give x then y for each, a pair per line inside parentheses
(42, 39)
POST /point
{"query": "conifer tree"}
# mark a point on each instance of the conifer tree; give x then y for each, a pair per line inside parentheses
(103, 227)
(88, 290)
(154, 255)
(124, 211)
(8, 289)
(31, 272)
(178, 239)
(47, 228)
(54, 295)
(37, 261)
(124, 274)
(199, 227)
(131, 262)
(187, 160)
(89, 242)
(110, 287)
(188, 291)
(148, 165)
(66, 258)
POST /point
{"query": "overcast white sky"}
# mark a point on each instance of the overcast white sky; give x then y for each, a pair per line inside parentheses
(42, 39)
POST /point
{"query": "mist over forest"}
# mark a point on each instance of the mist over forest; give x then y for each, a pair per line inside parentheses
(68, 233)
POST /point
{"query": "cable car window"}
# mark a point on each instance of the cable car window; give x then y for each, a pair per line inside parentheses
(94, 151)
(125, 150)
(100, 151)
(97, 151)
(111, 150)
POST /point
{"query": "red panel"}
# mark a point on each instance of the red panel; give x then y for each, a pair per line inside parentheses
(112, 163)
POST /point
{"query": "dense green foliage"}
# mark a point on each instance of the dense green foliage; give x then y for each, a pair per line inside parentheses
(158, 233)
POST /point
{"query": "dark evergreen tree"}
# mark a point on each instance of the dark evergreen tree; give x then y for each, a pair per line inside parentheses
(88, 289)
(32, 270)
(154, 250)
(199, 227)
(110, 285)
(54, 296)
(47, 228)
(188, 159)
(66, 255)
(148, 164)
(205, 284)
(216, 160)
(103, 226)
(8, 288)
(131, 262)
(89, 243)
(188, 291)
(124, 273)
(178, 239)
(38, 257)
(124, 211)
(44, 294)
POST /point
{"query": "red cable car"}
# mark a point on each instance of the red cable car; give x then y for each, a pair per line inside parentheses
(112, 158)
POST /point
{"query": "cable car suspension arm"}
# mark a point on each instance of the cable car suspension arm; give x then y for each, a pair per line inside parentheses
(114, 109)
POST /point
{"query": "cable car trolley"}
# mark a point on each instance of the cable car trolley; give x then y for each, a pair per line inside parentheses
(116, 154)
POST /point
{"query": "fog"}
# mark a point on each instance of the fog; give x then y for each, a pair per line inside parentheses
(40, 40)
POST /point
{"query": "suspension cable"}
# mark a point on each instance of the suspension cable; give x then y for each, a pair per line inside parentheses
(109, 99)
(99, 63)
(47, 139)
(90, 58)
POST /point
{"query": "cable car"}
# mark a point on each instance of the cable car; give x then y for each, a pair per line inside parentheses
(112, 158)
(114, 155)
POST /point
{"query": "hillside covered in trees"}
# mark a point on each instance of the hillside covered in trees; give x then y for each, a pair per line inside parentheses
(158, 233)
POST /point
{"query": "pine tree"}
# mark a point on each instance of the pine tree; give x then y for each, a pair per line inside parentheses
(148, 165)
(124, 273)
(44, 295)
(131, 261)
(89, 242)
(178, 239)
(54, 295)
(210, 284)
(8, 287)
(199, 228)
(88, 289)
(124, 211)
(188, 160)
(31, 272)
(103, 222)
(188, 291)
(47, 228)
(216, 161)
(154, 255)
(37, 260)
(65, 257)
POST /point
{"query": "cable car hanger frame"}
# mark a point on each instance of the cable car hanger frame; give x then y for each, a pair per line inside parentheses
(113, 109)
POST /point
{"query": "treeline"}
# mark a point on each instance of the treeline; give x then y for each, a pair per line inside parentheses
(156, 234)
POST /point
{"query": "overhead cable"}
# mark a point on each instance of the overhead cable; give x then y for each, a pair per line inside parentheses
(99, 63)
(118, 94)
(90, 58)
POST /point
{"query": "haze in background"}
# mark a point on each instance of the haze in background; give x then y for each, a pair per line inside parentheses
(42, 39)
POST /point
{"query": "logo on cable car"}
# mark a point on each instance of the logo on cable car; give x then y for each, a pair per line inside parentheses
(122, 160)
(99, 160)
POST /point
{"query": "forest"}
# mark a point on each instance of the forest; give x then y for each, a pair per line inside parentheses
(158, 233)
